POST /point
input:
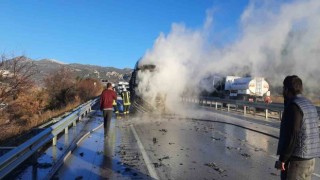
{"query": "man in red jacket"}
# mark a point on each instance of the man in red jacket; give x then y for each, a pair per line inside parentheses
(106, 100)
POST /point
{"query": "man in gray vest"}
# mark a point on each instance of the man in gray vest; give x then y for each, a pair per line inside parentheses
(299, 142)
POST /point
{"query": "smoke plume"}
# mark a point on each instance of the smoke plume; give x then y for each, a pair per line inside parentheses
(276, 40)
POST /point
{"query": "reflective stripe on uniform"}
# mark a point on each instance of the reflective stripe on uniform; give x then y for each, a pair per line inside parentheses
(126, 98)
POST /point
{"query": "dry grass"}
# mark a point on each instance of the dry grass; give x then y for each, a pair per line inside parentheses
(13, 129)
(277, 99)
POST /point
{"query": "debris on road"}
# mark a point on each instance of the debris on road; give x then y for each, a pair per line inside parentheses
(166, 157)
(215, 167)
(156, 165)
(163, 130)
(245, 155)
(154, 140)
(215, 139)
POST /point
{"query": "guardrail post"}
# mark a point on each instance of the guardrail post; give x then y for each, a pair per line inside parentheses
(54, 154)
(266, 113)
(280, 115)
(54, 141)
(244, 110)
(228, 107)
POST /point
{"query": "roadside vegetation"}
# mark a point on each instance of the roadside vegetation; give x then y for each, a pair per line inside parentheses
(25, 105)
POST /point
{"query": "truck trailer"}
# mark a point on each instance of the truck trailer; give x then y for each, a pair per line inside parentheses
(247, 88)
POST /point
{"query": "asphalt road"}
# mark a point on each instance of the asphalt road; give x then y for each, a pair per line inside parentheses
(197, 144)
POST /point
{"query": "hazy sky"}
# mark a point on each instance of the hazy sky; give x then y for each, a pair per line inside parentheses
(104, 32)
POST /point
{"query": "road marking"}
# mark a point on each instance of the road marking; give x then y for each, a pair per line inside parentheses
(147, 161)
(318, 175)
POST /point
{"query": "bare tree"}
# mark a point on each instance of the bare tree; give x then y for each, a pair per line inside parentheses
(61, 88)
(15, 76)
(89, 88)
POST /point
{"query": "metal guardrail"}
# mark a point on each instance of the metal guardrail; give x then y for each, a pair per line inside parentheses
(213, 101)
(13, 158)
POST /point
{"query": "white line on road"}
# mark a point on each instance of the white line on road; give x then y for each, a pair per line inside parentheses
(147, 161)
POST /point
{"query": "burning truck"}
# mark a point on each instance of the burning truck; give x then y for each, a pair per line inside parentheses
(142, 99)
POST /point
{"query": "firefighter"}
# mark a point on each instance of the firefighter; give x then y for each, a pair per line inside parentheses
(126, 100)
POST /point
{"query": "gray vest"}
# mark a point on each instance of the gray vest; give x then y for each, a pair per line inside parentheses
(308, 142)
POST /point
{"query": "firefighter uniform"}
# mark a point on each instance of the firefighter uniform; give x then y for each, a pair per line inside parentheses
(126, 101)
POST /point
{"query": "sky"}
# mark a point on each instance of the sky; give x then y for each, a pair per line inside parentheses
(106, 32)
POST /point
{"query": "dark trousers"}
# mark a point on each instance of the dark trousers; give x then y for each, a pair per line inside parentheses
(115, 109)
(107, 114)
(299, 170)
(125, 109)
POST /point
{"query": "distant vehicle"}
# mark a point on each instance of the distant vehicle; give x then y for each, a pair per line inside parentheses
(121, 86)
(244, 88)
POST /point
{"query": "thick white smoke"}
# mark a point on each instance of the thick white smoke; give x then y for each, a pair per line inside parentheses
(276, 40)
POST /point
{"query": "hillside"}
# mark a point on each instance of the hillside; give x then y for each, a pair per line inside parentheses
(46, 66)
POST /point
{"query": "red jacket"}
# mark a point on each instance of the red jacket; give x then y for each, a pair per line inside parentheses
(106, 98)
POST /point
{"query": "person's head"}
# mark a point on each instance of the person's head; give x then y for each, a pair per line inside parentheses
(109, 86)
(292, 85)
